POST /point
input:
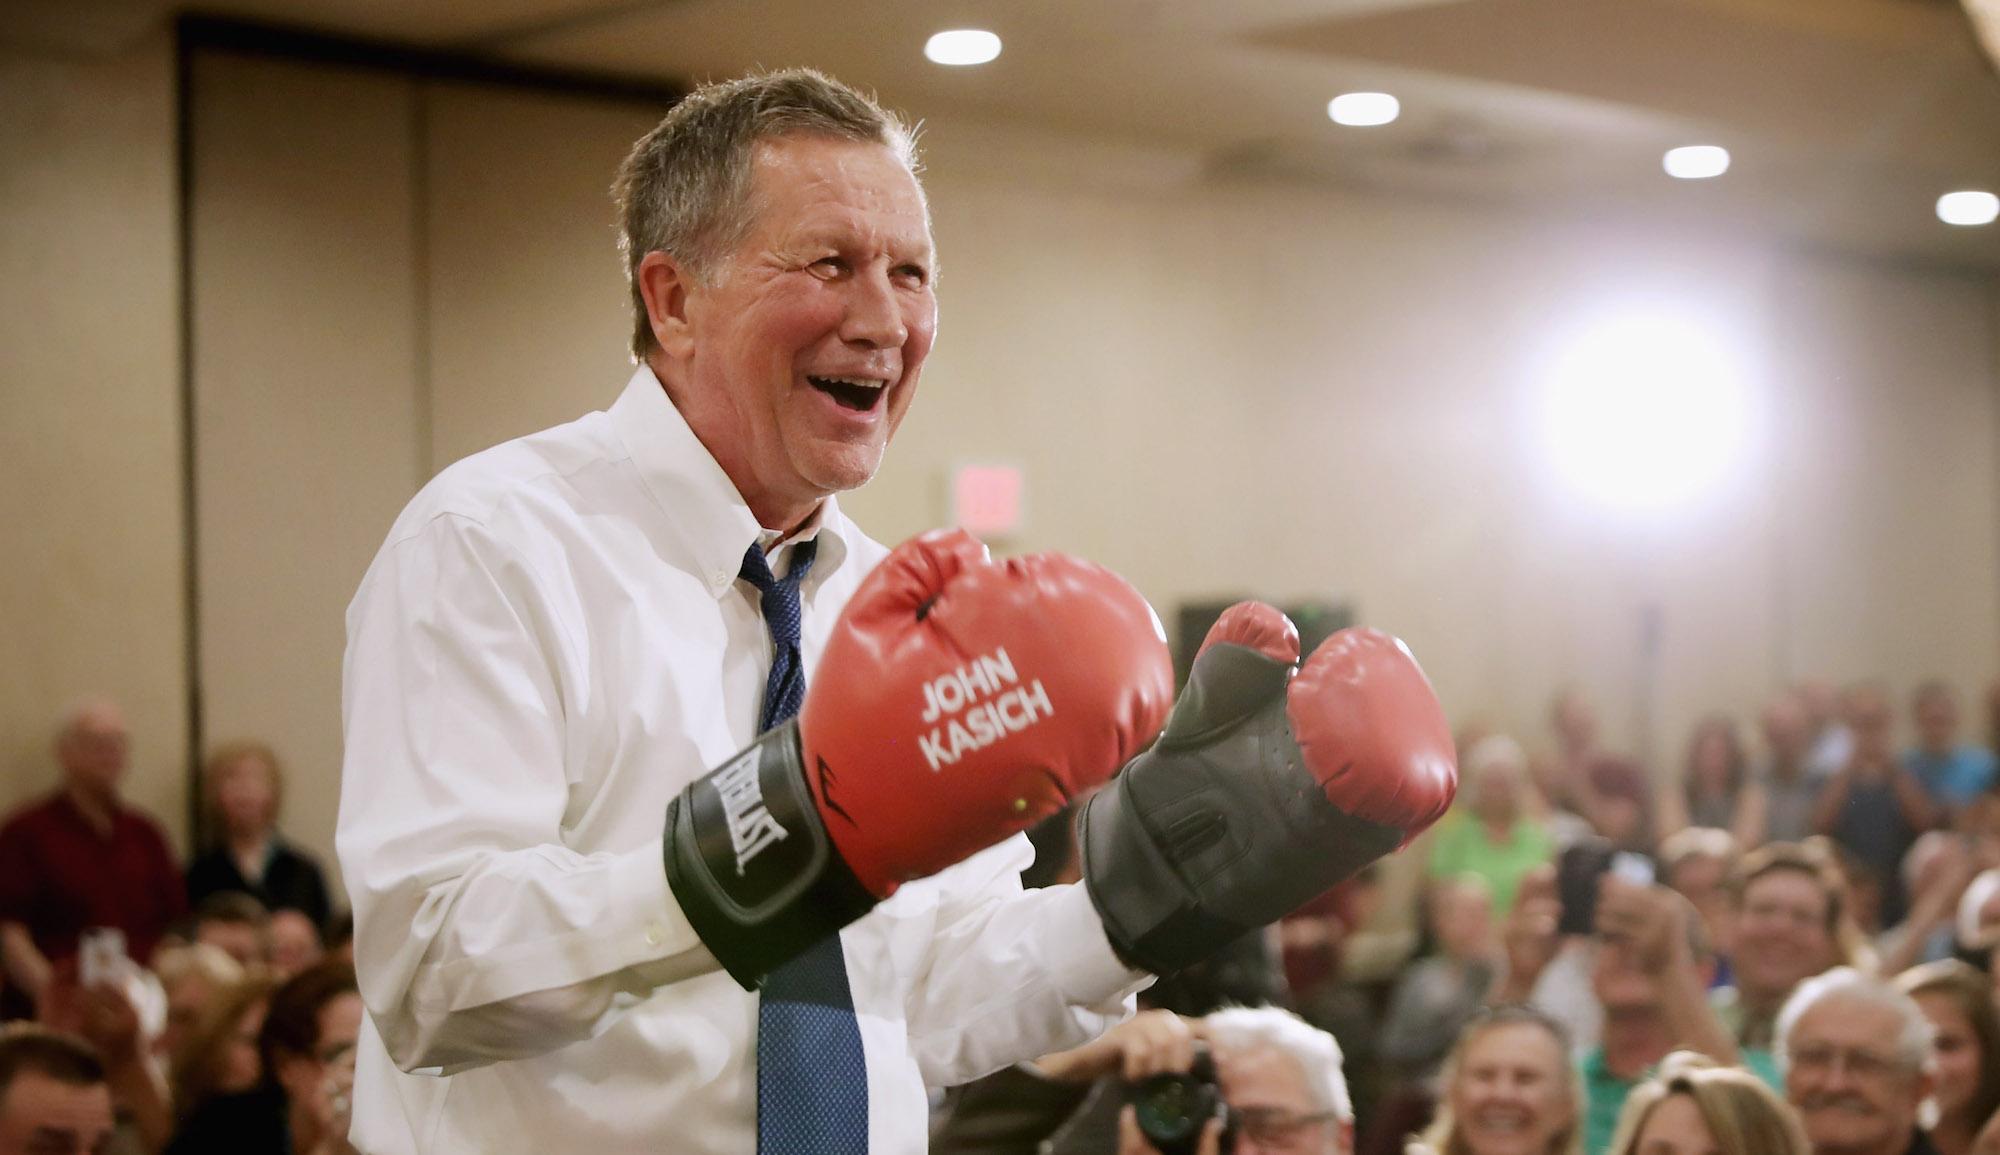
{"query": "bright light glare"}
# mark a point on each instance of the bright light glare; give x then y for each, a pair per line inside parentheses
(1646, 411)
(1696, 161)
(1968, 207)
(962, 46)
(1363, 109)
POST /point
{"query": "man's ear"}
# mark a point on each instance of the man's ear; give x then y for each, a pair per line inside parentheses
(664, 285)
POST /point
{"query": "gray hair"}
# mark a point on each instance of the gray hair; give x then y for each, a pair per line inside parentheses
(1913, 1038)
(684, 189)
(1315, 1052)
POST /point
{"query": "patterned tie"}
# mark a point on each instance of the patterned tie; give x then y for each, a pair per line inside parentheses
(812, 1083)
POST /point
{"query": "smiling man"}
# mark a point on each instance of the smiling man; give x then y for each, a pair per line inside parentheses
(1857, 1059)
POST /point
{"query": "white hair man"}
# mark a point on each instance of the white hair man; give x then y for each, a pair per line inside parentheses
(1856, 1056)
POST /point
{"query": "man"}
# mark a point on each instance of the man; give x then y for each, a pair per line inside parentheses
(81, 859)
(1790, 787)
(53, 1099)
(1280, 1077)
(1857, 1060)
(1651, 975)
(1874, 807)
(236, 924)
(1789, 914)
(1955, 773)
(626, 877)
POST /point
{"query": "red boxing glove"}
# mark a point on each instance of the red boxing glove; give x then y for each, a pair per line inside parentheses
(958, 701)
(1266, 788)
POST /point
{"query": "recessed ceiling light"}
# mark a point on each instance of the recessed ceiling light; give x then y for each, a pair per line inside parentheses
(1968, 207)
(962, 46)
(1363, 109)
(1696, 161)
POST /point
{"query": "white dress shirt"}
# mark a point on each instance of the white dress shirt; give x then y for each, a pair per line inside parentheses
(551, 643)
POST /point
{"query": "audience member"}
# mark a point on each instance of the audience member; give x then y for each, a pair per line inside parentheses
(104, 1015)
(1492, 832)
(1716, 789)
(1438, 995)
(1936, 872)
(299, 1104)
(1623, 810)
(53, 1097)
(220, 1056)
(1873, 807)
(1790, 788)
(295, 944)
(1697, 863)
(81, 859)
(1965, 1048)
(1651, 978)
(1789, 916)
(243, 789)
(1693, 1107)
(1509, 1089)
(1954, 772)
(1547, 968)
(1857, 1058)
(1831, 743)
(237, 924)
(191, 975)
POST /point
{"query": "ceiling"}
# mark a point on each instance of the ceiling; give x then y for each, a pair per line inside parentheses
(1846, 118)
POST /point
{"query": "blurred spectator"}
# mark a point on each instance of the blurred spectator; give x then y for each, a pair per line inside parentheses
(1954, 772)
(1697, 863)
(105, 1016)
(1623, 806)
(295, 944)
(243, 788)
(340, 937)
(220, 1056)
(1857, 1059)
(1789, 786)
(1790, 925)
(192, 975)
(1437, 996)
(1831, 742)
(79, 859)
(1564, 777)
(1493, 834)
(237, 924)
(1715, 787)
(53, 1097)
(1693, 1107)
(1280, 1077)
(1936, 872)
(1873, 807)
(299, 1104)
(1965, 1048)
(1652, 976)
(1509, 1089)
(1545, 967)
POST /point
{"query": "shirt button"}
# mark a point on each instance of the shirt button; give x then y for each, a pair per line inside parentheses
(655, 935)
(719, 577)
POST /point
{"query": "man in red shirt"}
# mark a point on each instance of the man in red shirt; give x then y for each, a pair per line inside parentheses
(81, 859)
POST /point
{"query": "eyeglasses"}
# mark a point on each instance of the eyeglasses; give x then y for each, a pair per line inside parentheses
(1276, 1126)
(1861, 1064)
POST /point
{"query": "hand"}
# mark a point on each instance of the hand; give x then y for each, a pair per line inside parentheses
(1530, 936)
(1149, 1043)
(1649, 921)
(1132, 1142)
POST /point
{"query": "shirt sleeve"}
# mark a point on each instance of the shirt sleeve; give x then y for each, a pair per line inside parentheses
(480, 936)
(1008, 975)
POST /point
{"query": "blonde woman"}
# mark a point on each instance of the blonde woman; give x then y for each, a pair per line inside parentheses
(243, 789)
(1509, 1089)
(1693, 1107)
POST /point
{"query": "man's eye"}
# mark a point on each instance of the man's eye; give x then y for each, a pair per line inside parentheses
(829, 266)
(916, 274)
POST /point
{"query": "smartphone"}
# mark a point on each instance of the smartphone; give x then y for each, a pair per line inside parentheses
(101, 956)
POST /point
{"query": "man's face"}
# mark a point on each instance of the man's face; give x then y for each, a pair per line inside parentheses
(306, 1078)
(1781, 934)
(43, 1116)
(1873, 723)
(1267, 1092)
(799, 360)
(242, 941)
(1937, 722)
(93, 749)
(1619, 982)
(1852, 1090)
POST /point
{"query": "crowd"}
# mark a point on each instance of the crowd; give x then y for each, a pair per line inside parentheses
(152, 1009)
(1781, 945)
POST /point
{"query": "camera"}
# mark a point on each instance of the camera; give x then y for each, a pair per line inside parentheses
(1173, 1108)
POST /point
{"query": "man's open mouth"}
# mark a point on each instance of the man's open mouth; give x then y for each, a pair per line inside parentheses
(860, 394)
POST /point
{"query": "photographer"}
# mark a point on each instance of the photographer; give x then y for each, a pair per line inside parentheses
(1276, 1085)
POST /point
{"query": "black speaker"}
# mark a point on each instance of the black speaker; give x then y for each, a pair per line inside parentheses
(1316, 620)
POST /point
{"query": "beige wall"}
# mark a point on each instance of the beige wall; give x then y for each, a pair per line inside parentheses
(1215, 388)
(90, 413)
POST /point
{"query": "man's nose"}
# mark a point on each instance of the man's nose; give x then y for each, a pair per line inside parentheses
(874, 315)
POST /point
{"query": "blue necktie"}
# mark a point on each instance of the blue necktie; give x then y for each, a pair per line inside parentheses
(812, 1082)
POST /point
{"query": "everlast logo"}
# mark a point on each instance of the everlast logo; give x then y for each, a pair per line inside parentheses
(751, 827)
(980, 690)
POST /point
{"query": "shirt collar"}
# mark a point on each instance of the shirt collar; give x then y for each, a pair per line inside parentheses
(714, 521)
